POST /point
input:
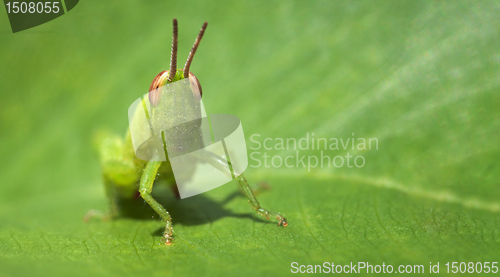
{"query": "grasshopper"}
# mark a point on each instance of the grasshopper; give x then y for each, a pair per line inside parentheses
(126, 176)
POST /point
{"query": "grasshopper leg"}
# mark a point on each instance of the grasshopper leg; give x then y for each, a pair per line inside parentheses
(113, 209)
(145, 189)
(120, 172)
(245, 187)
(221, 165)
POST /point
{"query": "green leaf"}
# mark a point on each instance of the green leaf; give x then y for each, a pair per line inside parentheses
(420, 77)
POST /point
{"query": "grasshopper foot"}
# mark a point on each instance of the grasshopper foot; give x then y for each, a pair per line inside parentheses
(168, 236)
(268, 214)
(283, 222)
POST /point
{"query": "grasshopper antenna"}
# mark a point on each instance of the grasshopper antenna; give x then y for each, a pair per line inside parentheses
(193, 50)
(173, 58)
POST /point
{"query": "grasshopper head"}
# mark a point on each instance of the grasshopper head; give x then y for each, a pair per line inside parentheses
(162, 79)
(175, 74)
(178, 104)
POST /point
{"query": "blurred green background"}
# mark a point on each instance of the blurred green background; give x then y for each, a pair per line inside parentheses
(421, 76)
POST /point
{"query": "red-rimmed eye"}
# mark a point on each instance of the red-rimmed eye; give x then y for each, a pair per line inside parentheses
(195, 86)
(154, 93)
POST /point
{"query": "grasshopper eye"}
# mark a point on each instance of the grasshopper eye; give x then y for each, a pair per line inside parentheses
(195, 86)
(158, 81)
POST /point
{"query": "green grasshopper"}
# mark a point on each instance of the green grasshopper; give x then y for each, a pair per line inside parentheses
(126, 176)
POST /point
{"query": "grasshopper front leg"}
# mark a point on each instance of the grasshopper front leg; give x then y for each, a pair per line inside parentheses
(245, 187)
(221, 165)
(145, 189)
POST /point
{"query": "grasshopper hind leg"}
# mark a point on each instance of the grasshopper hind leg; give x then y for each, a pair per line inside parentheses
(120, 172)
(113, 210)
